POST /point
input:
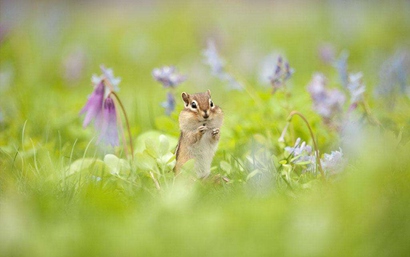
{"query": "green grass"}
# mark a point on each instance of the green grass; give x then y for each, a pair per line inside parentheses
(52, 204)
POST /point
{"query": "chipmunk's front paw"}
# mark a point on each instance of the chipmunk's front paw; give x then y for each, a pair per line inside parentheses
(202, 129)
(215, 132)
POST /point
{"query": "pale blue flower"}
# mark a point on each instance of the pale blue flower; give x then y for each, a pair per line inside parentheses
(334, 162)
(213, 59)
(216, 63)
(341, 66)
(356, 88)
(394, 75)
(265, 68)
(169, 104)
(301, 152)
(109, 74)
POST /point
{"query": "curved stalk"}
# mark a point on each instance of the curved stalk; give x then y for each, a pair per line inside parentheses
(293, 113)
(126, 121)
(370, 116)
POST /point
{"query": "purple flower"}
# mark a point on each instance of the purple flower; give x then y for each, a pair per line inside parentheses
(288, 71)
(93, 107)
(327, 103)
(101, 108)
(167, 76)
(356, 88)
(169, 104)
(217, 64)
(213, 60)
(282, 72)
(109, 129)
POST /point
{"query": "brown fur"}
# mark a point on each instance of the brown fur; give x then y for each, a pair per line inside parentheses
(200, 132)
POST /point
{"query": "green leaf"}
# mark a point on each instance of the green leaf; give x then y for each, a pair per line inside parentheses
(163, 145)
(303, 163)
(151, 147)
(116, 165)
(165, 159)
(145, 162)
(80, 164)
(225, 166)
(253, 173)
(283, 162)
(156, 142)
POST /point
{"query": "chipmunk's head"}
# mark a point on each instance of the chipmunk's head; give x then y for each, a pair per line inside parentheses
(199, 107)
(200, 104)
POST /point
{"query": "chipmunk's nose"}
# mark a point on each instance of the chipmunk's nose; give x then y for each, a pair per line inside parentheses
(206, 116)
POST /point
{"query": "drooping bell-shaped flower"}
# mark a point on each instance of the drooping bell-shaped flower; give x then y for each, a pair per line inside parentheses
(93, 107)
(109, 128)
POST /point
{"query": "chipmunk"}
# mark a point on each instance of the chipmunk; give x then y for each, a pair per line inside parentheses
(200, 123)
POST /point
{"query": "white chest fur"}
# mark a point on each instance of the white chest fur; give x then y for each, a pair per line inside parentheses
(203, 152)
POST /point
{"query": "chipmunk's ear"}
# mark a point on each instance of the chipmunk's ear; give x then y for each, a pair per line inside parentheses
(208, 92)
(185, 97)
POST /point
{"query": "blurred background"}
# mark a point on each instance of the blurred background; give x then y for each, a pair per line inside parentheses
(50, 49)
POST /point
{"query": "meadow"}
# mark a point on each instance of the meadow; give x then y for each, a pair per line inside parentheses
(313, 158)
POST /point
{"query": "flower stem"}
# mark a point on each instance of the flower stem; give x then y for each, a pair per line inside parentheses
(293, 113)
(155, 181)
(126, 121)
(370, 116)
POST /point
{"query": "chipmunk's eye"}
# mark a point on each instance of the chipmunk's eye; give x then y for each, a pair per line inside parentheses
(193, 105)
(211, 104)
